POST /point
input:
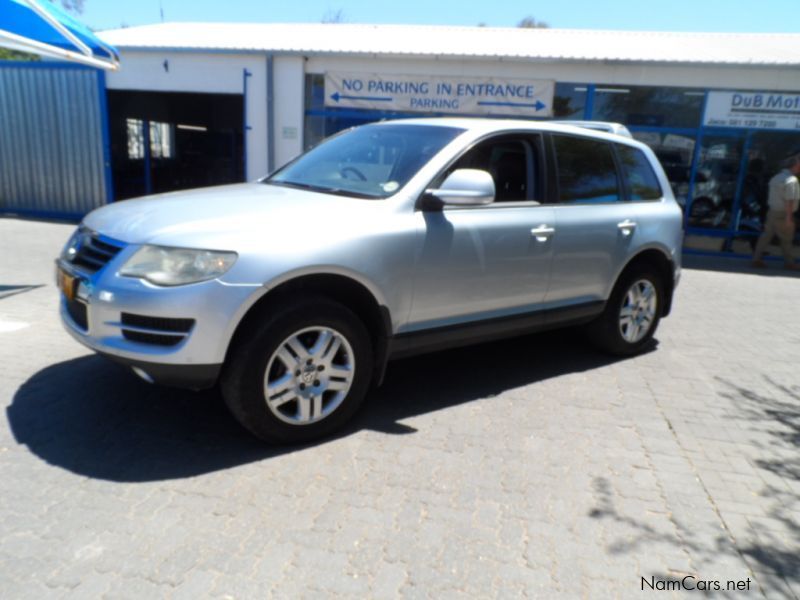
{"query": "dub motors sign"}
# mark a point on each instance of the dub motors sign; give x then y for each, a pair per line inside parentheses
(753, 110)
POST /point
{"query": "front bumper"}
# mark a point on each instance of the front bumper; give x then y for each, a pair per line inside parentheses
(191, 377)
(172, 335)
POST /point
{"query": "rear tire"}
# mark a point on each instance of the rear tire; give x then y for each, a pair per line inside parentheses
(301, 374)
(631, 315)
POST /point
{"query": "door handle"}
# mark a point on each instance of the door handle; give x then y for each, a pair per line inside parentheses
(627, 226)
(542, 233)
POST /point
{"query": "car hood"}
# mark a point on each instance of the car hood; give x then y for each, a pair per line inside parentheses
(177, 218)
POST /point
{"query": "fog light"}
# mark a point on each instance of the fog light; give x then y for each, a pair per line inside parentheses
(105, 296)
(143, 374)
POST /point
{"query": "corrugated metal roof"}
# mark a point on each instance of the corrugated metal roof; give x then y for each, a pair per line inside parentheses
(489, 42)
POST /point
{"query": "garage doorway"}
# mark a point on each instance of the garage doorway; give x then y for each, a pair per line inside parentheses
(166, 141)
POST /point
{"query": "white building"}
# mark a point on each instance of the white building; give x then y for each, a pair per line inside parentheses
(198, 104)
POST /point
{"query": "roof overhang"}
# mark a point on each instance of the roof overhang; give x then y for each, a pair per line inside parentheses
(642, 48)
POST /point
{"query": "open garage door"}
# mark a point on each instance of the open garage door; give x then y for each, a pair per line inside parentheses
(165, 141)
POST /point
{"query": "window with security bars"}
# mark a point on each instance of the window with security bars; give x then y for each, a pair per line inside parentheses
(162, 139)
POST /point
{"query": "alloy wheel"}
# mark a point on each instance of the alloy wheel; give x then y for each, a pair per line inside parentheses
(638, 311)
(309, 375)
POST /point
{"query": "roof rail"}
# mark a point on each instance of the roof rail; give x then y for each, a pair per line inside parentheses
(608, 127)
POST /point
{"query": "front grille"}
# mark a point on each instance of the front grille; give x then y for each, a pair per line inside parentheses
(93, 253)
(77, 312)
(157, 331)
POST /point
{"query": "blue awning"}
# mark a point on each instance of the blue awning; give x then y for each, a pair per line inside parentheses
(43, 28)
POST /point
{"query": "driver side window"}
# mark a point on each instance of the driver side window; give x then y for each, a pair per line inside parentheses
(510, 163)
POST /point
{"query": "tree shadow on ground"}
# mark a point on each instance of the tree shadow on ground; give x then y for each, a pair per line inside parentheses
(774, 410)
(95, 418)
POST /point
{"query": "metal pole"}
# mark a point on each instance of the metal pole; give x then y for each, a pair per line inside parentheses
(270, 113)
(245, 126)
(148, 176)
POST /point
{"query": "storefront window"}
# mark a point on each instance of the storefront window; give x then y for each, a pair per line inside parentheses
(765, 155)
(675, 152)
(315, 92)
(715, 182)
(648, 106)
(569, 101)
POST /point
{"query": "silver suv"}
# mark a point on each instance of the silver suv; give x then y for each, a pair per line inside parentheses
(386, 240)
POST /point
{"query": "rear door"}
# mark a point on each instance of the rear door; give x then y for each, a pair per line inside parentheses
(594, 225)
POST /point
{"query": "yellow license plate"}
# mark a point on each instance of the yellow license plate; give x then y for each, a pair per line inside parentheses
(67, 284)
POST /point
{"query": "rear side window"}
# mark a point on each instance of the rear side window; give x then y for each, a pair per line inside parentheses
(586, 171)
(638, 173)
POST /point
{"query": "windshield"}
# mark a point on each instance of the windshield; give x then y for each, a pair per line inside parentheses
(373, 161)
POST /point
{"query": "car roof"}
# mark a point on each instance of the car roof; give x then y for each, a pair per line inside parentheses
(479, 125)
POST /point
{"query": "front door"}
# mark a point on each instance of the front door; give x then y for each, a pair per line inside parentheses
(489, 261)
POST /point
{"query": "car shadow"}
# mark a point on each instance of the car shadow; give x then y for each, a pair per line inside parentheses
(95, 418)
(7, 291)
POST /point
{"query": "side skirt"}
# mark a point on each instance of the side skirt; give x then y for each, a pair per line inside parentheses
(441, 338)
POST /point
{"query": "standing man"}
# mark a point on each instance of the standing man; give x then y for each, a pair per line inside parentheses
(783, 200)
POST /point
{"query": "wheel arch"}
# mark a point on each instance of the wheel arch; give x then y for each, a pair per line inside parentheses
(659, 260)
(339, 287)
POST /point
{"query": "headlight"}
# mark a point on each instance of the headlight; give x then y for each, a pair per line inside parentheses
(177, 266)
(79, 238)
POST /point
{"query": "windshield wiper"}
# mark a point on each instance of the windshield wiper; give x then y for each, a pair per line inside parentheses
(322, 189)
(301, 186)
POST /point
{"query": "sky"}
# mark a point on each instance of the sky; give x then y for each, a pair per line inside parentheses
(671, 15)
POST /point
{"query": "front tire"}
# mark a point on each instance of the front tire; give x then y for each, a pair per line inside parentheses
(301, 374)
(631, 315)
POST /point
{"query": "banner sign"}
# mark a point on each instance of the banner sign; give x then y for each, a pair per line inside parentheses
(424, 93)
(753, 110)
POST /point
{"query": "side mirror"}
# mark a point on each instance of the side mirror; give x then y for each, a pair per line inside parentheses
(465, 187)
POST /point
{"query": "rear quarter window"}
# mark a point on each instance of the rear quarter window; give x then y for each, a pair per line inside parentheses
(638, 173)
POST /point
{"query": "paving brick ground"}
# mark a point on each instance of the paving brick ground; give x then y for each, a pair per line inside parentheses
(534, 468)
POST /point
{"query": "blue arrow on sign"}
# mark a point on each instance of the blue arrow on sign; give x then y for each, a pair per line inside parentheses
(336, 96)
(538, 105)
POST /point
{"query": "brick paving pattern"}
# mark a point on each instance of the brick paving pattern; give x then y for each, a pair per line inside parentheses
(535, 467)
